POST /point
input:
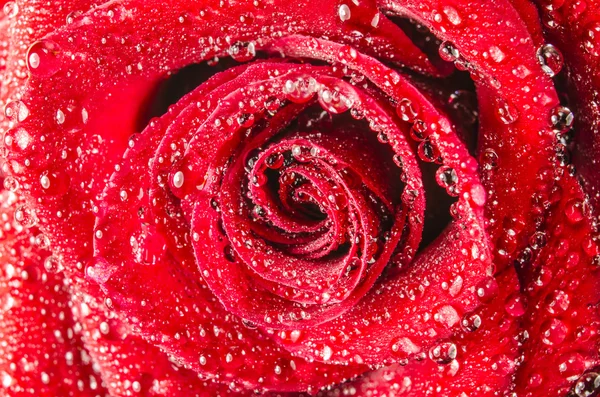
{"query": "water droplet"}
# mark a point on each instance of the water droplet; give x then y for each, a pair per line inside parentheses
(45, 181)
(229, 253)
(575, 210)
(557, 302)
(554, 331)
(561, 119)
(300, 90)
(471, 322)
(272, 105)
(497, 54)
(514, 305)
(11, 183)
(11, 9)
(506, 111)
(25, 216)
(17, 138)
(327, 353)
(407, 110)
(178, 179)
(274, 161)
(487, 289)
(551, 59)
(448, 52)
(489, 159)
(333, 100)
(42, 241)
(403, 347)
(443, 353)
(16, 111)
(428, 152)
(242, 51)
(452, 15)
(54, 182)
(447, 316)
(246, 120)
(447, 178)
(52, 264)
(344, 12)
(586, 386)
(347, 54)
(42, 58)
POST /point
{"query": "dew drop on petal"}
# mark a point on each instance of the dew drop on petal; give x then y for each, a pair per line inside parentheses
(443, 353)
(42, 58)
(344, 12)
(448, 52)
(561, 119)
(551, 59)
(11, 9)
(25, 216)
(11, 183)
(587, 385)
(407, 110)
(242, 51)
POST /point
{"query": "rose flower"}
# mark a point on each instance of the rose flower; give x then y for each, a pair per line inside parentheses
(291, 198)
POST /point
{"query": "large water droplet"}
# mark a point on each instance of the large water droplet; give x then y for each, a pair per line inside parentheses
(11, 9)
(344, 12)
(443, 353)
(242, 51)
(42, 58)
(407, 110)
(16, 111)
(551, 59)
(300, 90)
(447, 178)
(586, 386)
(561, 119)
(11, 183)
(448, 52)
(554, 331)
(52, 264)
(25, 216)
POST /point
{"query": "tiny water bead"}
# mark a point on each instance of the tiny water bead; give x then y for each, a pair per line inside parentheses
(42, 58)
(551, 59)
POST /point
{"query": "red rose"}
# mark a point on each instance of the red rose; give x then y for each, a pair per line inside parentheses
(263, 197)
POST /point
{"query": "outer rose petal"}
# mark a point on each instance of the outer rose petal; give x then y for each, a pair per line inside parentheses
(41, 351)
